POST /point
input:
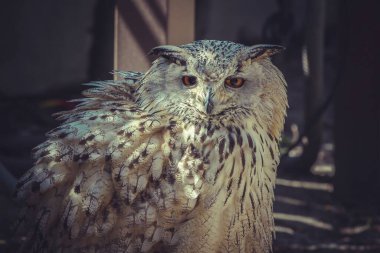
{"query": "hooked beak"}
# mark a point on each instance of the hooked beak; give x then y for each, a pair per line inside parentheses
(209, 105)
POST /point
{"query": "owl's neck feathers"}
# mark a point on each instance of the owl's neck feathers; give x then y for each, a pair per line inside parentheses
(240, 172)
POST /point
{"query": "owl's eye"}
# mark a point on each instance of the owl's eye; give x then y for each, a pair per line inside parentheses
(189, 81)
(234, 82)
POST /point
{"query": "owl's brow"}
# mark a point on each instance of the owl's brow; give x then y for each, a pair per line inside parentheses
(175, 60)
(239, 67)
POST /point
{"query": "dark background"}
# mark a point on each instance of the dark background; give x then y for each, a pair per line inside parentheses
(327, 197)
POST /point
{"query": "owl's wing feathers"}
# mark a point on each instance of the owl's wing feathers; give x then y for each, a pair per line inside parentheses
(93, 166)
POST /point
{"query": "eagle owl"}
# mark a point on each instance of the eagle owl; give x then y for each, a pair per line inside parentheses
(181, 158)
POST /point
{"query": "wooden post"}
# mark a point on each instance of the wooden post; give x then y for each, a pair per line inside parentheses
(314, 81)
(181, 21)
(141, 25)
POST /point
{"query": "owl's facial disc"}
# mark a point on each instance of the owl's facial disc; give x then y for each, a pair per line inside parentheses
(215, 79)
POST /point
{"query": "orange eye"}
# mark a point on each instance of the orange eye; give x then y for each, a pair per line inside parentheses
(189, 81)
(234, 82)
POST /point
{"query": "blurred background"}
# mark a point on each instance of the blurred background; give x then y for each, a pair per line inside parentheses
(328, 190)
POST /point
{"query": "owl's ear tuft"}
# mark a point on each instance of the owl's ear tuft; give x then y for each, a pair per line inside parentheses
(173, 53)
(261, 51)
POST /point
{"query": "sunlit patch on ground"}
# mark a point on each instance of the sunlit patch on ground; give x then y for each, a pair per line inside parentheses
(310, 221)
(305, 185)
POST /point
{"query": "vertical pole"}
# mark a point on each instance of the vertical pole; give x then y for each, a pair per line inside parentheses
(313, 69)
(139, 26)
(181, 21)
(315, 29)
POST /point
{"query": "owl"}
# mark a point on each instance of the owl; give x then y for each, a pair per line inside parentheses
(181, 158)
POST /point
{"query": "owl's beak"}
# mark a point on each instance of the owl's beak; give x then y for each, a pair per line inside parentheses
(209, 105)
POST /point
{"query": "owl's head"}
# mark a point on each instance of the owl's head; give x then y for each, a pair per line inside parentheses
(218, 80)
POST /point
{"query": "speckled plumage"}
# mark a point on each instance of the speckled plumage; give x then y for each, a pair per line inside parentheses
(141, 166)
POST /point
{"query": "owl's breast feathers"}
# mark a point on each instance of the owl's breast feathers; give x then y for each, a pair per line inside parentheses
(114, 176)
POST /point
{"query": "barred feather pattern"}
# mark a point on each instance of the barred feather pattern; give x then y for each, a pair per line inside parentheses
(123, 174)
